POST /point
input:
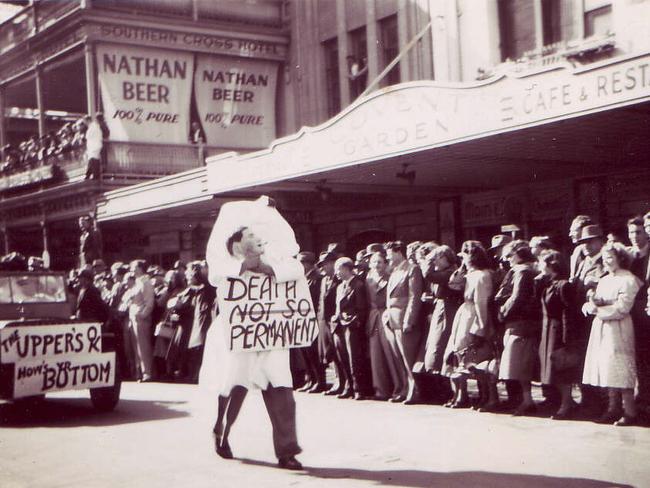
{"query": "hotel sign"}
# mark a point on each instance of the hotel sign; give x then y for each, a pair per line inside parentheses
(189, 41)
(424, 114)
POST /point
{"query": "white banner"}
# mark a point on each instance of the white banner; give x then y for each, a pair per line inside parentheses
(24, 343)
(265, 315)
(146, 93)
(77, 372)
(235, 99)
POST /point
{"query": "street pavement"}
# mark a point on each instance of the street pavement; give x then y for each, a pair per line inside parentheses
(159, 436)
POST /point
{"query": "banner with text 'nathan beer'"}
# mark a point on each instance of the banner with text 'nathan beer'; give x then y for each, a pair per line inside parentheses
(236, 100)
(146, 93)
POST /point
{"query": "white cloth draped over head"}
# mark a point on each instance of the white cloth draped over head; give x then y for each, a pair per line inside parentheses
(265, 221)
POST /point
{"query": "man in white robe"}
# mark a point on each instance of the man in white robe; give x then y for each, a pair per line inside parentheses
(247, 238)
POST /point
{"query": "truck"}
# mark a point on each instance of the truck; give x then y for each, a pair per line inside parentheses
(44, 349)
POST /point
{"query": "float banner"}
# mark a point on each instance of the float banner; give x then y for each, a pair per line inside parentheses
(25, 343)
(235, 99)
(78, 372)
(146, 93)
(264, 314)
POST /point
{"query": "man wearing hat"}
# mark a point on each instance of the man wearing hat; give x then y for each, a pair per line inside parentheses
(315, 370)
(326, 309)
(90, 305)
(588, 273)
(575, 231)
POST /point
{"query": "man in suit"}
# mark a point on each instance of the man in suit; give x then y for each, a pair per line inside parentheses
(640, 250)
(90, 305)
(140, 308)
(575, 231)
(348, 328)
(403, 302)
(314, 368)
(325, 309)
(90, 247)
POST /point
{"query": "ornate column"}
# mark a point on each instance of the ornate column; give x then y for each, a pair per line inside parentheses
(371, 40)
(40, 103)
(91, 86)
(342, 41)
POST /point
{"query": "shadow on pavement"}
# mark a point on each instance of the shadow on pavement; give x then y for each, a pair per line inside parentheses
(77, 412)
(414, 478)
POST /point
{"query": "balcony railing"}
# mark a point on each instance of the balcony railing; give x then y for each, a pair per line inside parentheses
(122, 160)
(141, 159)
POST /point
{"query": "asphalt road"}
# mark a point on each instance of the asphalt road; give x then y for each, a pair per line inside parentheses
(159, 436)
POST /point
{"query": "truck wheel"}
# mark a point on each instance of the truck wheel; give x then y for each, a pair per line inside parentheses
(105, 399)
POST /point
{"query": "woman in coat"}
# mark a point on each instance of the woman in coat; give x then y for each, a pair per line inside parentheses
(519, 310)
(472, 324)
(437, 269)
(174, 284)
(610, 360)
(559, 350)
(386, 374)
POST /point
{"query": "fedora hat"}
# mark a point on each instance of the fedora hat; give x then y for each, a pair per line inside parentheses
(590, 232)
(499, 240)
(325, 257)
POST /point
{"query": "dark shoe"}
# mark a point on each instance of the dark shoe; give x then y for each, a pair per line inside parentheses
(222, 448)
(345, 394)
(626, 421)
(397, 399)
(290, 463)
(381, 398)
(524, 410)
(609, 417)
(360, 397)
(334, 391)
(317, 388)
(460, 404)
(306, 387)
(415, 399)
(489, 407)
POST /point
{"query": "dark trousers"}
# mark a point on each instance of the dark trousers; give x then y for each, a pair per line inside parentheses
(313, 367)
(642, 347)
(351, 349)
(281, 408)
(93, 169)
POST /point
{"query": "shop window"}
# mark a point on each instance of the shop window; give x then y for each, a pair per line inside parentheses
(357, 62)
(389, 48)
(332, 77)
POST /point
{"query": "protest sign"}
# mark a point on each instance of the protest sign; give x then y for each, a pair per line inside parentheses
(263, 314)
(76, 372)
(49, 341)
(236, 100)
(145, 92)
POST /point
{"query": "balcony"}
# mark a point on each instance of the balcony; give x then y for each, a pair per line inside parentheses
(41, 14)
(126, 162)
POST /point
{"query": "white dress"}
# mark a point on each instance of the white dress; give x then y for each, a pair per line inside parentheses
(610, 359)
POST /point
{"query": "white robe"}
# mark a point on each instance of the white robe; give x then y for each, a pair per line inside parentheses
(222, 369)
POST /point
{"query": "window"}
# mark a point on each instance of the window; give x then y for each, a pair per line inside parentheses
(332, 77)
(517, 27)
(357, 62)
(389, 49)
(597, 18)
(560, 22)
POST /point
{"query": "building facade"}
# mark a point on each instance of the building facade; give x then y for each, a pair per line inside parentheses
(394, 119)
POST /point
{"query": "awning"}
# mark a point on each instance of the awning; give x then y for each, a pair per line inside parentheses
(420, 124)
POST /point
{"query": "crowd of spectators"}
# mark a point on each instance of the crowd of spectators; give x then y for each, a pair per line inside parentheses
(413, 323)
(50, 148)
(160, 317)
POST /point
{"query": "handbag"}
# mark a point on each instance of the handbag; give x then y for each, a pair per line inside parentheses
(474, 354)
(164, 330)
(565, 358)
